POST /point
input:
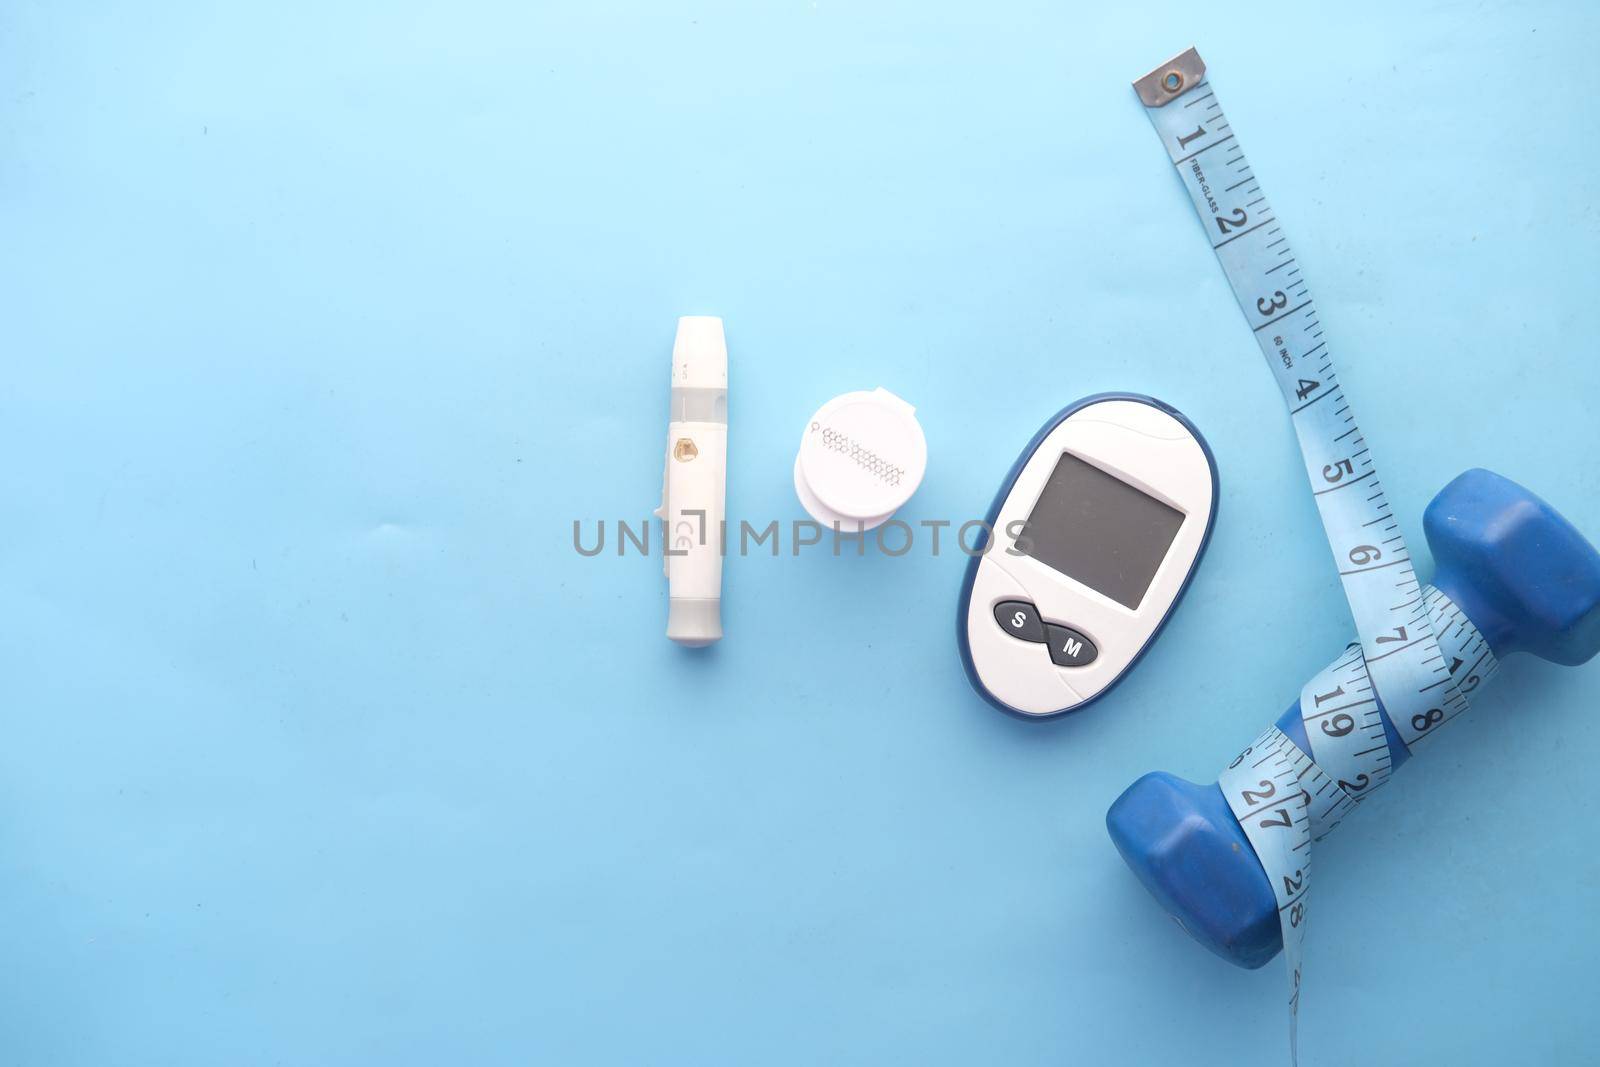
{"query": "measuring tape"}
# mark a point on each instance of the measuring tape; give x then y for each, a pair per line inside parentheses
(1413, 642)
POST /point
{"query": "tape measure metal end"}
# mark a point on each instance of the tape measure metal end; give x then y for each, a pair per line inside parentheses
(1172, 79)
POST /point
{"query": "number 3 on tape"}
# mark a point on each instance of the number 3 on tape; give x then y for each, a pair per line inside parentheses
(1284, 800)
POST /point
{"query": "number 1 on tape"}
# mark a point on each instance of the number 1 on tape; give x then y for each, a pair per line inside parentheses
(1282, 798)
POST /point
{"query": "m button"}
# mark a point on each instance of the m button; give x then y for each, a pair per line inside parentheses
(1068, 648)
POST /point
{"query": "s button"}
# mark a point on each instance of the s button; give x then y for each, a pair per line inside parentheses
(1020, 619)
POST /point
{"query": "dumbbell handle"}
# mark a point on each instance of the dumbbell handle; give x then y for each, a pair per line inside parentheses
(1461, 642)
(1513, 576)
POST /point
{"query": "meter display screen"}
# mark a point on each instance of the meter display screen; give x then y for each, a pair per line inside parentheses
(1099, 530)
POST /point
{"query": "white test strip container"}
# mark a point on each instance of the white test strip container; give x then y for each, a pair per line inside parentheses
(861, 456)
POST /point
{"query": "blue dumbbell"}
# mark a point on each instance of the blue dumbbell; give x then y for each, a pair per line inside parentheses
(1524, 577)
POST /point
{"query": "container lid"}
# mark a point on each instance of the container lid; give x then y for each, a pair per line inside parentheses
(862, 455)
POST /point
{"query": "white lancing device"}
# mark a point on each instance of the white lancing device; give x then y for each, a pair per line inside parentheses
(694, 482)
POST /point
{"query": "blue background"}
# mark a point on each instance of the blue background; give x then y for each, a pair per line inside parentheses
(323, 322)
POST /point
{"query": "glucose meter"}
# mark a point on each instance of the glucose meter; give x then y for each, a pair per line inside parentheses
(1091, 543)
